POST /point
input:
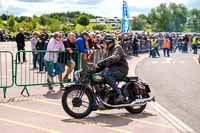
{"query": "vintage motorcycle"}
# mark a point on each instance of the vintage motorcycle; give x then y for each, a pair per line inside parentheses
(92, 93)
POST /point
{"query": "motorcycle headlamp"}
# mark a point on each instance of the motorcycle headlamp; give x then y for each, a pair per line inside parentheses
(77, 74)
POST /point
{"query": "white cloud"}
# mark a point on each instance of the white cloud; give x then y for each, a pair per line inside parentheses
(108, 8)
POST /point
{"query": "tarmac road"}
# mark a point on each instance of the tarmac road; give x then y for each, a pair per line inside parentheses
(175, 83)
(42, 112)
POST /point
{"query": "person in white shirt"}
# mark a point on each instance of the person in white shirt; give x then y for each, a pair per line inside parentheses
(51, 59)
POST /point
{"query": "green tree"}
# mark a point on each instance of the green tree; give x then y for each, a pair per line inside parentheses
(194, 20)
(1, 23)
(152, 19)
(34, 24)
(65, 27)
(83, 20)
(179, 16)
(170, 17)
(163, 17)
(160, 18)
(55, 26)
(4, 17)
(11, 23)
(20, 19)
(108, 27)
(42, 20)
(98, 27)
(139, 22)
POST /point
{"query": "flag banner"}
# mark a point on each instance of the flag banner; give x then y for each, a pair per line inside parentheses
(125, 18)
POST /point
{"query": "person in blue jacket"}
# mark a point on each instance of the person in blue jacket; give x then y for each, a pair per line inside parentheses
(83, 45)
(80, 42)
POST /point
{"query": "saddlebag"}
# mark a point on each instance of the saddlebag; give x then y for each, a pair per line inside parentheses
(140, 88)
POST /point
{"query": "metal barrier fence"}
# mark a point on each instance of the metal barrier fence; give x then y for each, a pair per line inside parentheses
(142, 48)
(35, 68)
(97, 56)
(39, 64)
(6, 71)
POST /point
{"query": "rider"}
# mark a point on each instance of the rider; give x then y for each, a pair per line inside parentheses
(115, 66)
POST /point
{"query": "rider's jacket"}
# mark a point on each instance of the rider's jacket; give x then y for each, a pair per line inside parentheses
(115, 58)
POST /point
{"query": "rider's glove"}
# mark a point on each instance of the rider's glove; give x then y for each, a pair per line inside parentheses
(99, 66)
(96, 69)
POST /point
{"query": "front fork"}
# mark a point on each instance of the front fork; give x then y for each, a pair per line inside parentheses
(94, 101)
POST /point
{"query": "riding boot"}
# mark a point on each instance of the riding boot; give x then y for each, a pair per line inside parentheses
(119, 99)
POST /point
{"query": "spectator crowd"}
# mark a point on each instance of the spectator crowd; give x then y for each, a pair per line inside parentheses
(45, 48)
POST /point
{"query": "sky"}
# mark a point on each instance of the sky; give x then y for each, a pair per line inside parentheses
(105, 8)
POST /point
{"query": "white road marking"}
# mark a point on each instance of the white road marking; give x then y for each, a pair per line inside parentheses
(168, 61)
(171, 118)
(168, 116)
(18, 123)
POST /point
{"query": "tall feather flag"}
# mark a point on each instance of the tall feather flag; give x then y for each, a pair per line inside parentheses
(125, 27)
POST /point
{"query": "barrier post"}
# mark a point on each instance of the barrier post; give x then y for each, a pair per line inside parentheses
(4, 92)
(28, 74)
(25, 89)
(6, 71)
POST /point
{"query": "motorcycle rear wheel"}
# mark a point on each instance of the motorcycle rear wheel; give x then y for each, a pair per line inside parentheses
(133, 110)
(140, 109)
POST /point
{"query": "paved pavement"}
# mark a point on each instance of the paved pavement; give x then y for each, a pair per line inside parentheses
(42, 112)
(176, 85)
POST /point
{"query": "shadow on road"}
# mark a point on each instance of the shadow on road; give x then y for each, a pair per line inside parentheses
(52, 95)
(138, 116)
(20, 99)
(110, 120)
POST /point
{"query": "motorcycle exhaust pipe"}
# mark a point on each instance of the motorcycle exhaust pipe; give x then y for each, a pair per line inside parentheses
(144, 100)
(137, 102)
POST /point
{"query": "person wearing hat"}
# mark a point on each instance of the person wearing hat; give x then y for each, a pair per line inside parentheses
(114, 67)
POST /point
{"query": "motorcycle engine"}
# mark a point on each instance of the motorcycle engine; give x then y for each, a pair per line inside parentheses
(106, 93)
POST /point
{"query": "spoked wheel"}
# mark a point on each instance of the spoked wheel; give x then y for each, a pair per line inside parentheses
(77, 102)
(136, 109)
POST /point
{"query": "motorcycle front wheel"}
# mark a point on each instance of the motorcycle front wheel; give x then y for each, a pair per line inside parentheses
(77, 102)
